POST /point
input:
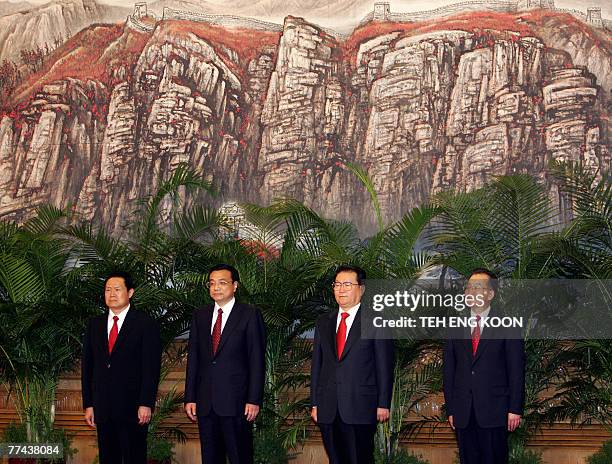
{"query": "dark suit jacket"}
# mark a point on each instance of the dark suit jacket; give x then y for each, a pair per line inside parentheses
(355, 385)
(117, 384)
(493, 380)
(233, 377)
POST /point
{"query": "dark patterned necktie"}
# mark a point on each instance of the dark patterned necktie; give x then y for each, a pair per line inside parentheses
(476, 336)
(216, 334)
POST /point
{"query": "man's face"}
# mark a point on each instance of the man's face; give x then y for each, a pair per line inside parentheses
(347, 296)
(116, 294)
(221, 286)
(479, 286)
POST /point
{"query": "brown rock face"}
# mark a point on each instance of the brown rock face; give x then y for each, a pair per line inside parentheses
(51, 146)
(303, 114)
(410, 86)
(494, 115)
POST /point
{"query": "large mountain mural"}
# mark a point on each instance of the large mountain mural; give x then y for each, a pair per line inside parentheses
(270, 110)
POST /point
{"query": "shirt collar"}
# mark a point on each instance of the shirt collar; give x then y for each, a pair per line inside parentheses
(228, 306)
(121, 315)
(483, 314)
(351, 311)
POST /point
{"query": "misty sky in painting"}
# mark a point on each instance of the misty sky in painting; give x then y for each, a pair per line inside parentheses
(361, 7)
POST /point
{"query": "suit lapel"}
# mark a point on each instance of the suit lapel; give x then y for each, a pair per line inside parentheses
(482, 344)
(230, 325)
(484, 340)
(331, 330)
(353, 335)
(127, 326)
(207, 326)
(466, 341)
(102, 334)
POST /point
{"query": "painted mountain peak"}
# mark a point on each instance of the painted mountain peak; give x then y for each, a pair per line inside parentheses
(271, 110)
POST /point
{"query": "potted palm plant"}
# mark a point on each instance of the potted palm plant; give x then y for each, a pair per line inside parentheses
(160, 440)
(39, 329)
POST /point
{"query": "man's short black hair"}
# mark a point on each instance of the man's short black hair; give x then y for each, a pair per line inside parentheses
(127, 278)
(225, 267)
(482, 270)
(361, 274)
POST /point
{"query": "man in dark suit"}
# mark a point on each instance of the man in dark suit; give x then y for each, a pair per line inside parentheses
(120, 373)
(225, 371)
(484, 379)
(351, 377)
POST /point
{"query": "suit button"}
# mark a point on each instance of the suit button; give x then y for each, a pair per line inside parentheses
(214, 362)
(473, 372)
(108, 366)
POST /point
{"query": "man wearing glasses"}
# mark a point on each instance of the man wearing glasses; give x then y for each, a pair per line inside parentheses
(351, 377)
(225, 371)
(484, 379)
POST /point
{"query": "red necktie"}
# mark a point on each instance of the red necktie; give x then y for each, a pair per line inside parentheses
(341, 334)
(216, 334)
(112, 336)
(476, 336)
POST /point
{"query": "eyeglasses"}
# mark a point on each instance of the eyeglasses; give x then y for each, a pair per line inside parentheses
(220, 283)
(347, 285)
(477, 287)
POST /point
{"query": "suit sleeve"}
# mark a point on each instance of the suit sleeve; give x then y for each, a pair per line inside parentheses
(256, 349)
(384, 352)
(192, 362)
(515, 361)
(315, 366)
(449, 375)
(151, 364)
(87, 369)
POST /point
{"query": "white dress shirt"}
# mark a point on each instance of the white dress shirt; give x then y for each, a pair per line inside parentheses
(227, 309)
(349, 320)
(483, 315)
(110, 321)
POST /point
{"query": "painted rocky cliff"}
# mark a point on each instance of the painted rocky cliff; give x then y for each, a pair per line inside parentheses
(423, 107)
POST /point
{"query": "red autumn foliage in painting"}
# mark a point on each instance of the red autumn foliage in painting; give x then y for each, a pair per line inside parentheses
(92, 54)
(10, 76)
(261, 250)
(480, 23)
(248, 44)
(99, 51)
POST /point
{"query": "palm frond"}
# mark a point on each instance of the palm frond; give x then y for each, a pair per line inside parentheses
(590, 192)
(45, 221)
(20, 280)
(145, 234)
(196, 222)
(94, 246)
(402, 238)
(365, 180)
